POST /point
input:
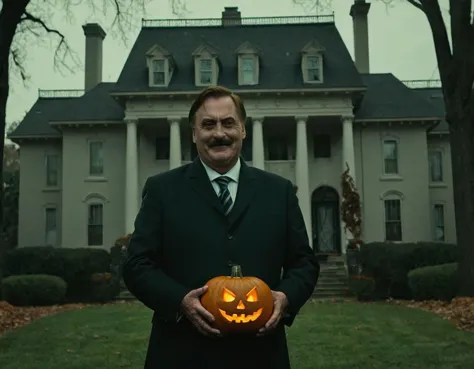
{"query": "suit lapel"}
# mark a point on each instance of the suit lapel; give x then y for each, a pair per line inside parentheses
(245, 191)
(200, 183)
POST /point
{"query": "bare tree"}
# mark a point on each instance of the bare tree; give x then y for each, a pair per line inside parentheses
(456, 68)
(21, 20)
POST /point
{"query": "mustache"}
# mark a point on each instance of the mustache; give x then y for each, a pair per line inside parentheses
(220, 142)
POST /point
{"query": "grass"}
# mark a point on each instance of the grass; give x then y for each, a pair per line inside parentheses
(325, 336)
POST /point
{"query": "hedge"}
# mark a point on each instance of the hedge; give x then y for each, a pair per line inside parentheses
(390, 263)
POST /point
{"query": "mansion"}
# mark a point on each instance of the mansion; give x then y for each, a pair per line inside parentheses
(312, 110)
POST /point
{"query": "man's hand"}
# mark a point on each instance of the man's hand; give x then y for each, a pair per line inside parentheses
(280, 303)
(193, 310)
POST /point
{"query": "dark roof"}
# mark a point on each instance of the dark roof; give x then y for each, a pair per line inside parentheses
(389, 98)
(94, 105)
(36, 121)
(280, 45)
(435, 96)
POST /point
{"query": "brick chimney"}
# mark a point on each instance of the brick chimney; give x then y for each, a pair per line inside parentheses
(93, 66)
(359, 12)
(231, 16)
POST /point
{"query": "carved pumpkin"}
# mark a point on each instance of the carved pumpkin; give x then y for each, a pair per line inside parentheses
(239, 304)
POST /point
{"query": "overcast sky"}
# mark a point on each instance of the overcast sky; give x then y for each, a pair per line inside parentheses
(400, 42)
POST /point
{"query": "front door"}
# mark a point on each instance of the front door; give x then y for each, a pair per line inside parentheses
(326, 225)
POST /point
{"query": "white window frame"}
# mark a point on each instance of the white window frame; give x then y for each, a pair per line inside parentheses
(254, 72)
(397, 196)
(153, 71)
(319, 68)
(54, 230)
(397, 156)
(101, 171)
(199, 71)
(439, 152)
(47, 159)
(436, 206)
(155, 54)
(89, 225)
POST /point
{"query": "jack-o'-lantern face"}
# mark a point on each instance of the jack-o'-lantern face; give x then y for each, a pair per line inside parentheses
(238, 304)
(240, 309)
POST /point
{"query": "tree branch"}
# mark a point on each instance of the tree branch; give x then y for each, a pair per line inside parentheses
(63, 50)
(441, 43)
(416, 4)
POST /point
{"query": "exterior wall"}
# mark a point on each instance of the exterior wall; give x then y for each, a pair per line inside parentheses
(442, 193)
(80, 189)
(411, 185)
(35, 196)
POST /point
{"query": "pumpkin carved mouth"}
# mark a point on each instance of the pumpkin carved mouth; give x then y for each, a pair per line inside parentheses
(241, 318)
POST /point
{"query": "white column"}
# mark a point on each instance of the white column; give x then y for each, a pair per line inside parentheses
(175, 142)
(258, 156)
(131, 177)
(302, 173)
(348, 156)
(348, 159)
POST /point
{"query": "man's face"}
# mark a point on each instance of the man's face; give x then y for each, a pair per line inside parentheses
(218, 133)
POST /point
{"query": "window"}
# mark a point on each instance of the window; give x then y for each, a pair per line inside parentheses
(248, 72)
(160, 65)
(313, 68)
(322, 146)
(159, 72)
(248, 63)
(436, 166)
(162, 148)
(95, 226)
(277, 148)
(50, 226)
(205, 71)
(439, 222)
(390, 156)
(52, 170)
(393, 220)
(96, 158)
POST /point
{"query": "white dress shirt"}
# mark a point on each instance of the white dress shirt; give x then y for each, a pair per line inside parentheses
(233, 174)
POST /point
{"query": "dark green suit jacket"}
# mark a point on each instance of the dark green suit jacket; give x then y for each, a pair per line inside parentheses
(182, 239)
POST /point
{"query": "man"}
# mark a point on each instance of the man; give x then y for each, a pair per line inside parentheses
(198, 220)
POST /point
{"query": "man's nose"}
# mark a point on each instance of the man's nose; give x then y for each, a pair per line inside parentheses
(219, 131)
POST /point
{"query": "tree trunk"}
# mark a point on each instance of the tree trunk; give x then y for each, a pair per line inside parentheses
(462, 159)
(10, 16)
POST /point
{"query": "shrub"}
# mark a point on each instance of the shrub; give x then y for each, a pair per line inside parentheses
(34, 290)
(104, 287)
(75, 266)
(439, 282)
(390, 263)
(362, 286)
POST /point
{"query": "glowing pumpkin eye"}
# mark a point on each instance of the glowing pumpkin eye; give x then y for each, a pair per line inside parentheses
(227, 295)
(252, 296)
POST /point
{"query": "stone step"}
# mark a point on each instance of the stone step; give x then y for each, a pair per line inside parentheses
(330, 288)
(332, 273)
(335, 284)
(328, 295)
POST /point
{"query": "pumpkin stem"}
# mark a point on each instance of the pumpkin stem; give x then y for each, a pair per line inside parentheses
(236, 271)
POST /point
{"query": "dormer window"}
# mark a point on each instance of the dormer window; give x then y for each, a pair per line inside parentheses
(206, 69)
(248, 63)
(160, 66)
(158, 71)
(312, 62)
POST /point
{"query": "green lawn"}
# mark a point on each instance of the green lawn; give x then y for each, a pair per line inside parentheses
(325, 336)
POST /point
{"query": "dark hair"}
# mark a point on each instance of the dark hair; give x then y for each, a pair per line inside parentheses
(216, 92)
